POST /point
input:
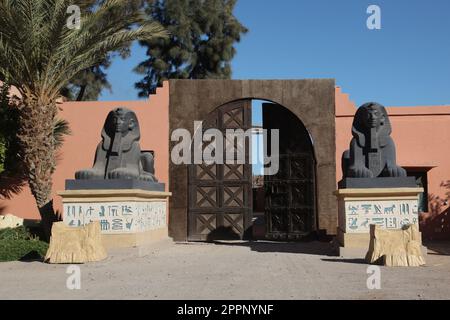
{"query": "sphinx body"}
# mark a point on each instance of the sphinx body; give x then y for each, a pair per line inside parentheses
(372, 150)
(118, 155)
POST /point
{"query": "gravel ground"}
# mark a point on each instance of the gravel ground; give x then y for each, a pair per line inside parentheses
(239, 270)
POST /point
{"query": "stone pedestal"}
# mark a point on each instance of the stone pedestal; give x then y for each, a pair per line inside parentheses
(388, 208)
(127, 217)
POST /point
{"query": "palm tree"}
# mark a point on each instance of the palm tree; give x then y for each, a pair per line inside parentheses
(40, 54)
(13, 174)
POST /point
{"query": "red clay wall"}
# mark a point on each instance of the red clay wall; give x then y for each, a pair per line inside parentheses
(422, 136)
(86, 120)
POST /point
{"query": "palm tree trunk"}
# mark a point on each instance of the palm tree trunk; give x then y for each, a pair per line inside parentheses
(38, 150)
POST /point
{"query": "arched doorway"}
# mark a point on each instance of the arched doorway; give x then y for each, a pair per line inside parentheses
(220, 195)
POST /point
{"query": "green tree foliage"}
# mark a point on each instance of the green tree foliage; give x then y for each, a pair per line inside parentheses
(40, 55)
(9, 146)
(2, 154)
(89, 83)
(201, 43)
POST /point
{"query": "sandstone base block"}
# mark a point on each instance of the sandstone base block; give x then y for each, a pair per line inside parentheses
(75, 244)
(395, 248)
(132, 240)
(10, 221)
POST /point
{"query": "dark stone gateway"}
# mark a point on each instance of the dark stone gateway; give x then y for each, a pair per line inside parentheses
(312, 101)
(371, 160)
(119, 162)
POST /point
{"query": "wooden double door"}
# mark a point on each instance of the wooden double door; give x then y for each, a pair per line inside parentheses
(220, 194)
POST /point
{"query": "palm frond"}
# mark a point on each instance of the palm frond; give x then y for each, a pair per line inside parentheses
(39, 53)
(60, 129)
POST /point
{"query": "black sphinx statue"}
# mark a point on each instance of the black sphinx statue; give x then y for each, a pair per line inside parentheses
(119, 162)
(371, 160)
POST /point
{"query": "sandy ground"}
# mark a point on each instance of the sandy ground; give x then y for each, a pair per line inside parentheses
(249, 270)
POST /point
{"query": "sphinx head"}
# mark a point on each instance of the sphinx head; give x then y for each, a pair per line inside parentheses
(374, 115)
(124, 121)
(368, 116)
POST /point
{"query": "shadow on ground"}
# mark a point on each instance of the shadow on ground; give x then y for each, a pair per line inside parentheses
(302, 247)
(441, 248)
(354, 261)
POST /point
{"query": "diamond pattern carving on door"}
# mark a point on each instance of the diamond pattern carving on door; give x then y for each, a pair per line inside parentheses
(299, 220)
(234, 118)
(233, 172)
(206, 223)
(205, 172)
(233, 196)
(220, 195)
(277, 222)
(206, 197)
(302, 194)
(235, 222)
(300, 169)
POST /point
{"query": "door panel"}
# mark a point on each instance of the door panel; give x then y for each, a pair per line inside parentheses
(289, 194)
(220, 195)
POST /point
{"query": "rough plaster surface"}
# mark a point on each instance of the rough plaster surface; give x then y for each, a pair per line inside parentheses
(227, 271)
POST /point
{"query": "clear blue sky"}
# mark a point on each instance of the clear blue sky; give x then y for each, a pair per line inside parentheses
(407, 62)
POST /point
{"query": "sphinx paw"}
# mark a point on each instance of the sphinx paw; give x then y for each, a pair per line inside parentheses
(123, 173)
(395, 171)
(360, 172)
(145, 176)
(87, 174)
